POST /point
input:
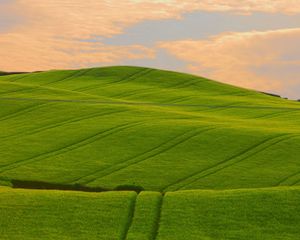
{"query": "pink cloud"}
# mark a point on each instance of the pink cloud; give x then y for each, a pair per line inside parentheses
(23, 53)
(244, 58)
(50, 36)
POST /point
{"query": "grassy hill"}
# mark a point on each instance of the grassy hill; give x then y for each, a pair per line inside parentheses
(135, 128)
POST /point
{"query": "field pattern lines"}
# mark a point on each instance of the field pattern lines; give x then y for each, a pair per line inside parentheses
(32, 88)
(158, 217)
(186, 83)
(181, 99)
(103, 85)
(237, 158)
(274, 114)
(295, 183)
(127, 77)
(290, 180)
(18, 78)
(62, 150)
(24, 89)
(162, 148)
(22, 111)
(130, 218)
(132, 93)
(134, 76)
(83, 89)
(146, 217)
(62, 123)
(220, 108)
(71, 76)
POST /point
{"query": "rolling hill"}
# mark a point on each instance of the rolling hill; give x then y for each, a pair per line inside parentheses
(206, 149)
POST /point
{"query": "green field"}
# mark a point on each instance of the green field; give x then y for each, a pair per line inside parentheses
(215, 161)
(267, 214)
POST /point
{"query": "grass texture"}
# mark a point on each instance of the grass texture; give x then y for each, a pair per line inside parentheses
(216, 161)
(262, 214)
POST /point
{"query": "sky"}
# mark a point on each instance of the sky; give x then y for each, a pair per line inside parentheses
(248, 43)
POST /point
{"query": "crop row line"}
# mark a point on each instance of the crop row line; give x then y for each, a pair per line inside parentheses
(32, 88)
(129, 218)
(62, 123)
(162, 148)
(71, 76)
(237, 158)
(93, 101)
(19, 77)
(274, 114)
(95, 137)
(22, 111)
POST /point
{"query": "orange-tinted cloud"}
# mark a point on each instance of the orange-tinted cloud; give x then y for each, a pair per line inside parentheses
(52, 35)
(52, 32)
(26, 53)
(259, 60)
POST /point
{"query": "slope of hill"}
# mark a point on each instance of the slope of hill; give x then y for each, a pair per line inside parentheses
(160, 130)
(132, 128)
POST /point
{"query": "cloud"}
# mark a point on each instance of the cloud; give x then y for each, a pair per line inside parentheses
(267, 61)
(53, 32)
(42, 53)
(52, 35)
(236, 6)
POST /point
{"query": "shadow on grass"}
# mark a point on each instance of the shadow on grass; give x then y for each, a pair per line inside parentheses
(70, 187)
(137, 189)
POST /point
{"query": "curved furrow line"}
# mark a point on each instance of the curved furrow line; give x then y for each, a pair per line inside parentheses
(109, 83)
(180, 99)
(32, 88)
(81, 179)
(286, 181)
(236, 93)
(237, 158)
(28, 90)
(158, 218)
(18, 78)
(274, 114)
(129, 76)
(62, 150)
(23, 89)
(136, 76)
(83, 89)
(131, 93)
(23, 111)
(192, 82)
(295, 183)
(62, 123)
(131, 213)
(17, 111)
(145, 91)
(162, 148)
(185, 84)
(219, 108)
(76, 74)
(150, 91)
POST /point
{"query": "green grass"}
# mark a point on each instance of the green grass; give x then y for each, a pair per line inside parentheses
(115, 126)
(264, 214)
(144, 225)
(147, 129)
(27, 214)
